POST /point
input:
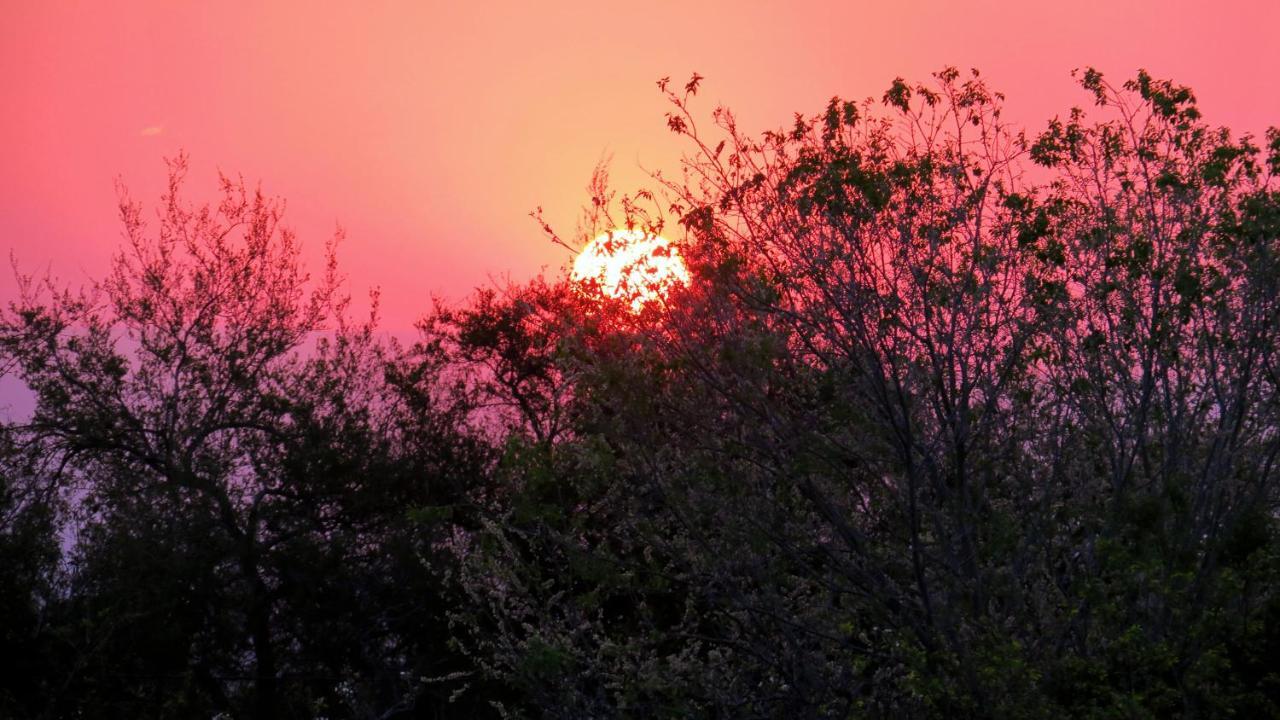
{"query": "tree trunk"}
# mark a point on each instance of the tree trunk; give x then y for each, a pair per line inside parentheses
(264, 675)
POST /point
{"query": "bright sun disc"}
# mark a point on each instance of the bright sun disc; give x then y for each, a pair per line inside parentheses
(630, 265)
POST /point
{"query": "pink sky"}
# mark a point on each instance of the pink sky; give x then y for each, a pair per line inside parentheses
(429, 130)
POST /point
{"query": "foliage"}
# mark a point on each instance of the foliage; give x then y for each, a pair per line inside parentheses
(951, 421)
(240, 482)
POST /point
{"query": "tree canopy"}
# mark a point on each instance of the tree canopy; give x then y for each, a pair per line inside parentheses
(951, 419)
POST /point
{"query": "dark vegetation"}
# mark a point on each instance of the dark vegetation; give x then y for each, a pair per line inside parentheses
(953, 422)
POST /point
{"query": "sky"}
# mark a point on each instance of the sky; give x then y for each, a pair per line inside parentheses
(429, 131)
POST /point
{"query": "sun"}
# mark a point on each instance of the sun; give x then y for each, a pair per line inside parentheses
(630, 265)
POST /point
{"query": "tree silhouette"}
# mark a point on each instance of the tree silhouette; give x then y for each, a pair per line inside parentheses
(242, 479)
(937, 431)
(949, 421)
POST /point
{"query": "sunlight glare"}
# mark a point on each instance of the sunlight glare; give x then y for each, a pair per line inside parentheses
(630, 265)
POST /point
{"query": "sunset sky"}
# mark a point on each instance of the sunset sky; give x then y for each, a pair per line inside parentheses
(429, 131)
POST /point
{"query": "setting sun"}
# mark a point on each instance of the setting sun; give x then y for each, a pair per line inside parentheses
(630, 265)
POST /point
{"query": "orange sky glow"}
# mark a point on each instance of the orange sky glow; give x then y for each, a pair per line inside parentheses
(430, 130)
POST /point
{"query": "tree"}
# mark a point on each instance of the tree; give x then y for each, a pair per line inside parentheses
(29, 554)
(951, 421)
(927, 436)
(243, 480)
